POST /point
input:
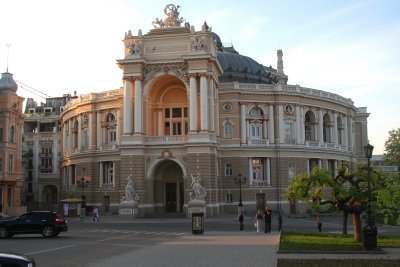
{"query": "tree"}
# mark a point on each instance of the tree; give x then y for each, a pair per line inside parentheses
(346, 191)
(388, 198)
(392, 147)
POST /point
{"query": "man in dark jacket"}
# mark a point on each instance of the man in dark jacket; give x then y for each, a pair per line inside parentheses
(267, 217)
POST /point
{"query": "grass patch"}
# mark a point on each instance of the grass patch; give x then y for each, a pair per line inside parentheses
(293, 240)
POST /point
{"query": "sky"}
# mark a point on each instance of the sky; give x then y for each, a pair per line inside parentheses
(346, 47)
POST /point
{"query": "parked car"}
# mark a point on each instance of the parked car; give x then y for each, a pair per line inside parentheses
(16, 260)
(47, 223)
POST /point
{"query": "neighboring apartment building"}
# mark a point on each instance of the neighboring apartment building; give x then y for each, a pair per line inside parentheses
(41, 152)
(191, 107)
(11, 123)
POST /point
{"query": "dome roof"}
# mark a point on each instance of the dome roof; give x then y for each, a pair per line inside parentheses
(239, 68)
(7, 84)
(242, 69)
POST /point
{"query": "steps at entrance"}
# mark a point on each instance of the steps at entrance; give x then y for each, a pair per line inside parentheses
(165, 215)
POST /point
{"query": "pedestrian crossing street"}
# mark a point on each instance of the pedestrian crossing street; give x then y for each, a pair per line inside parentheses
(122, 231)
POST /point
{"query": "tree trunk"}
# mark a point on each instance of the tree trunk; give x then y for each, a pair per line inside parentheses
(357, 227)
(345, 216)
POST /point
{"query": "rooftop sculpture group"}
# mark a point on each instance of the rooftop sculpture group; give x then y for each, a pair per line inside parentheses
(172, 19)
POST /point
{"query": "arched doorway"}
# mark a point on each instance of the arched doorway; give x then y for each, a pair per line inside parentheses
(168, 187)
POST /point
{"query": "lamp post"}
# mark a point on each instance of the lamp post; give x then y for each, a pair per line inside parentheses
(370, 230)
(82, 184)
(240, 180)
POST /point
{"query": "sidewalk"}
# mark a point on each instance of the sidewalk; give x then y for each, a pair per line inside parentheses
(209, 249)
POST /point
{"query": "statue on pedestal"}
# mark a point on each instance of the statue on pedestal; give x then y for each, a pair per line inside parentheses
(199, 191)
(130, 194)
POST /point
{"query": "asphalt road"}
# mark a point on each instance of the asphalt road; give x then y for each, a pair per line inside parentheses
(87, 241)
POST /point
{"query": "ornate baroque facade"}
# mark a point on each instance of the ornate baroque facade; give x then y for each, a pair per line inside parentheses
(190, 107)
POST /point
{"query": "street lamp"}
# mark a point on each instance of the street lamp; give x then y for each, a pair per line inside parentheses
(82, 184)
(370, 230)
(240, 180)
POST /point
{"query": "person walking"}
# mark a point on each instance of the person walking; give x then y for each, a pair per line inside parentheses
(279, 222)
(267, 218)
(241, 221)
(319, 223)
(257, 221)
(96, 214)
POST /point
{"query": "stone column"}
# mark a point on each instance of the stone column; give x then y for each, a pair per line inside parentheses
(268, 170)
(212, 105)
(113, 181)
(99, 130)
(90, 125)
(203, 103)
(345, 132)
(101, 174)
(71, 137)
(281, 125)
(271, 129)
(138, 107)
(79, 118)
(302, 127)
(193, 103)
(127, 107)
(243, 126)
(160, 123)
(335, 129)
(298, 126)
(64, 137)
(320, 127)
(118, 127)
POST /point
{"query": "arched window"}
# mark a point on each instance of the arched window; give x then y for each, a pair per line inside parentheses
(256, 111)
(228, 130)
(111, 126)
(340, 127)
(327, 128)
(309, 126)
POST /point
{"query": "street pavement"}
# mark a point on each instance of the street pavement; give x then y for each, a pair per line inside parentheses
(226, 248)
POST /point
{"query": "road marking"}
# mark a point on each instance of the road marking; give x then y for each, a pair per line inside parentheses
(47, 250)
(123, 231)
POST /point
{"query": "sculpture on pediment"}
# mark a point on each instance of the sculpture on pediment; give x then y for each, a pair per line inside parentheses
(172, 19)
(199, 191)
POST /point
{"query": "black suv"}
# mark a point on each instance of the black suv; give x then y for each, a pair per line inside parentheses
(47, 223)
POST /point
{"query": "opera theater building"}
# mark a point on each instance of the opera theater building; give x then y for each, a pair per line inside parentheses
(196, 126)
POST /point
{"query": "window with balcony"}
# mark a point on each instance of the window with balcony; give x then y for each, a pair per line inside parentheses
(255, 131)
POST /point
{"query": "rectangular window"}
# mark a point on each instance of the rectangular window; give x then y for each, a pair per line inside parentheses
(1, 165)
(257, 169)
(288, 131)
(176, 113)
(112, 137)
(1, 134)
(229, 198)
(255, 131)
(228, 169)
(228, 130)
(108, 172)
(11, 163)
(167, 113)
